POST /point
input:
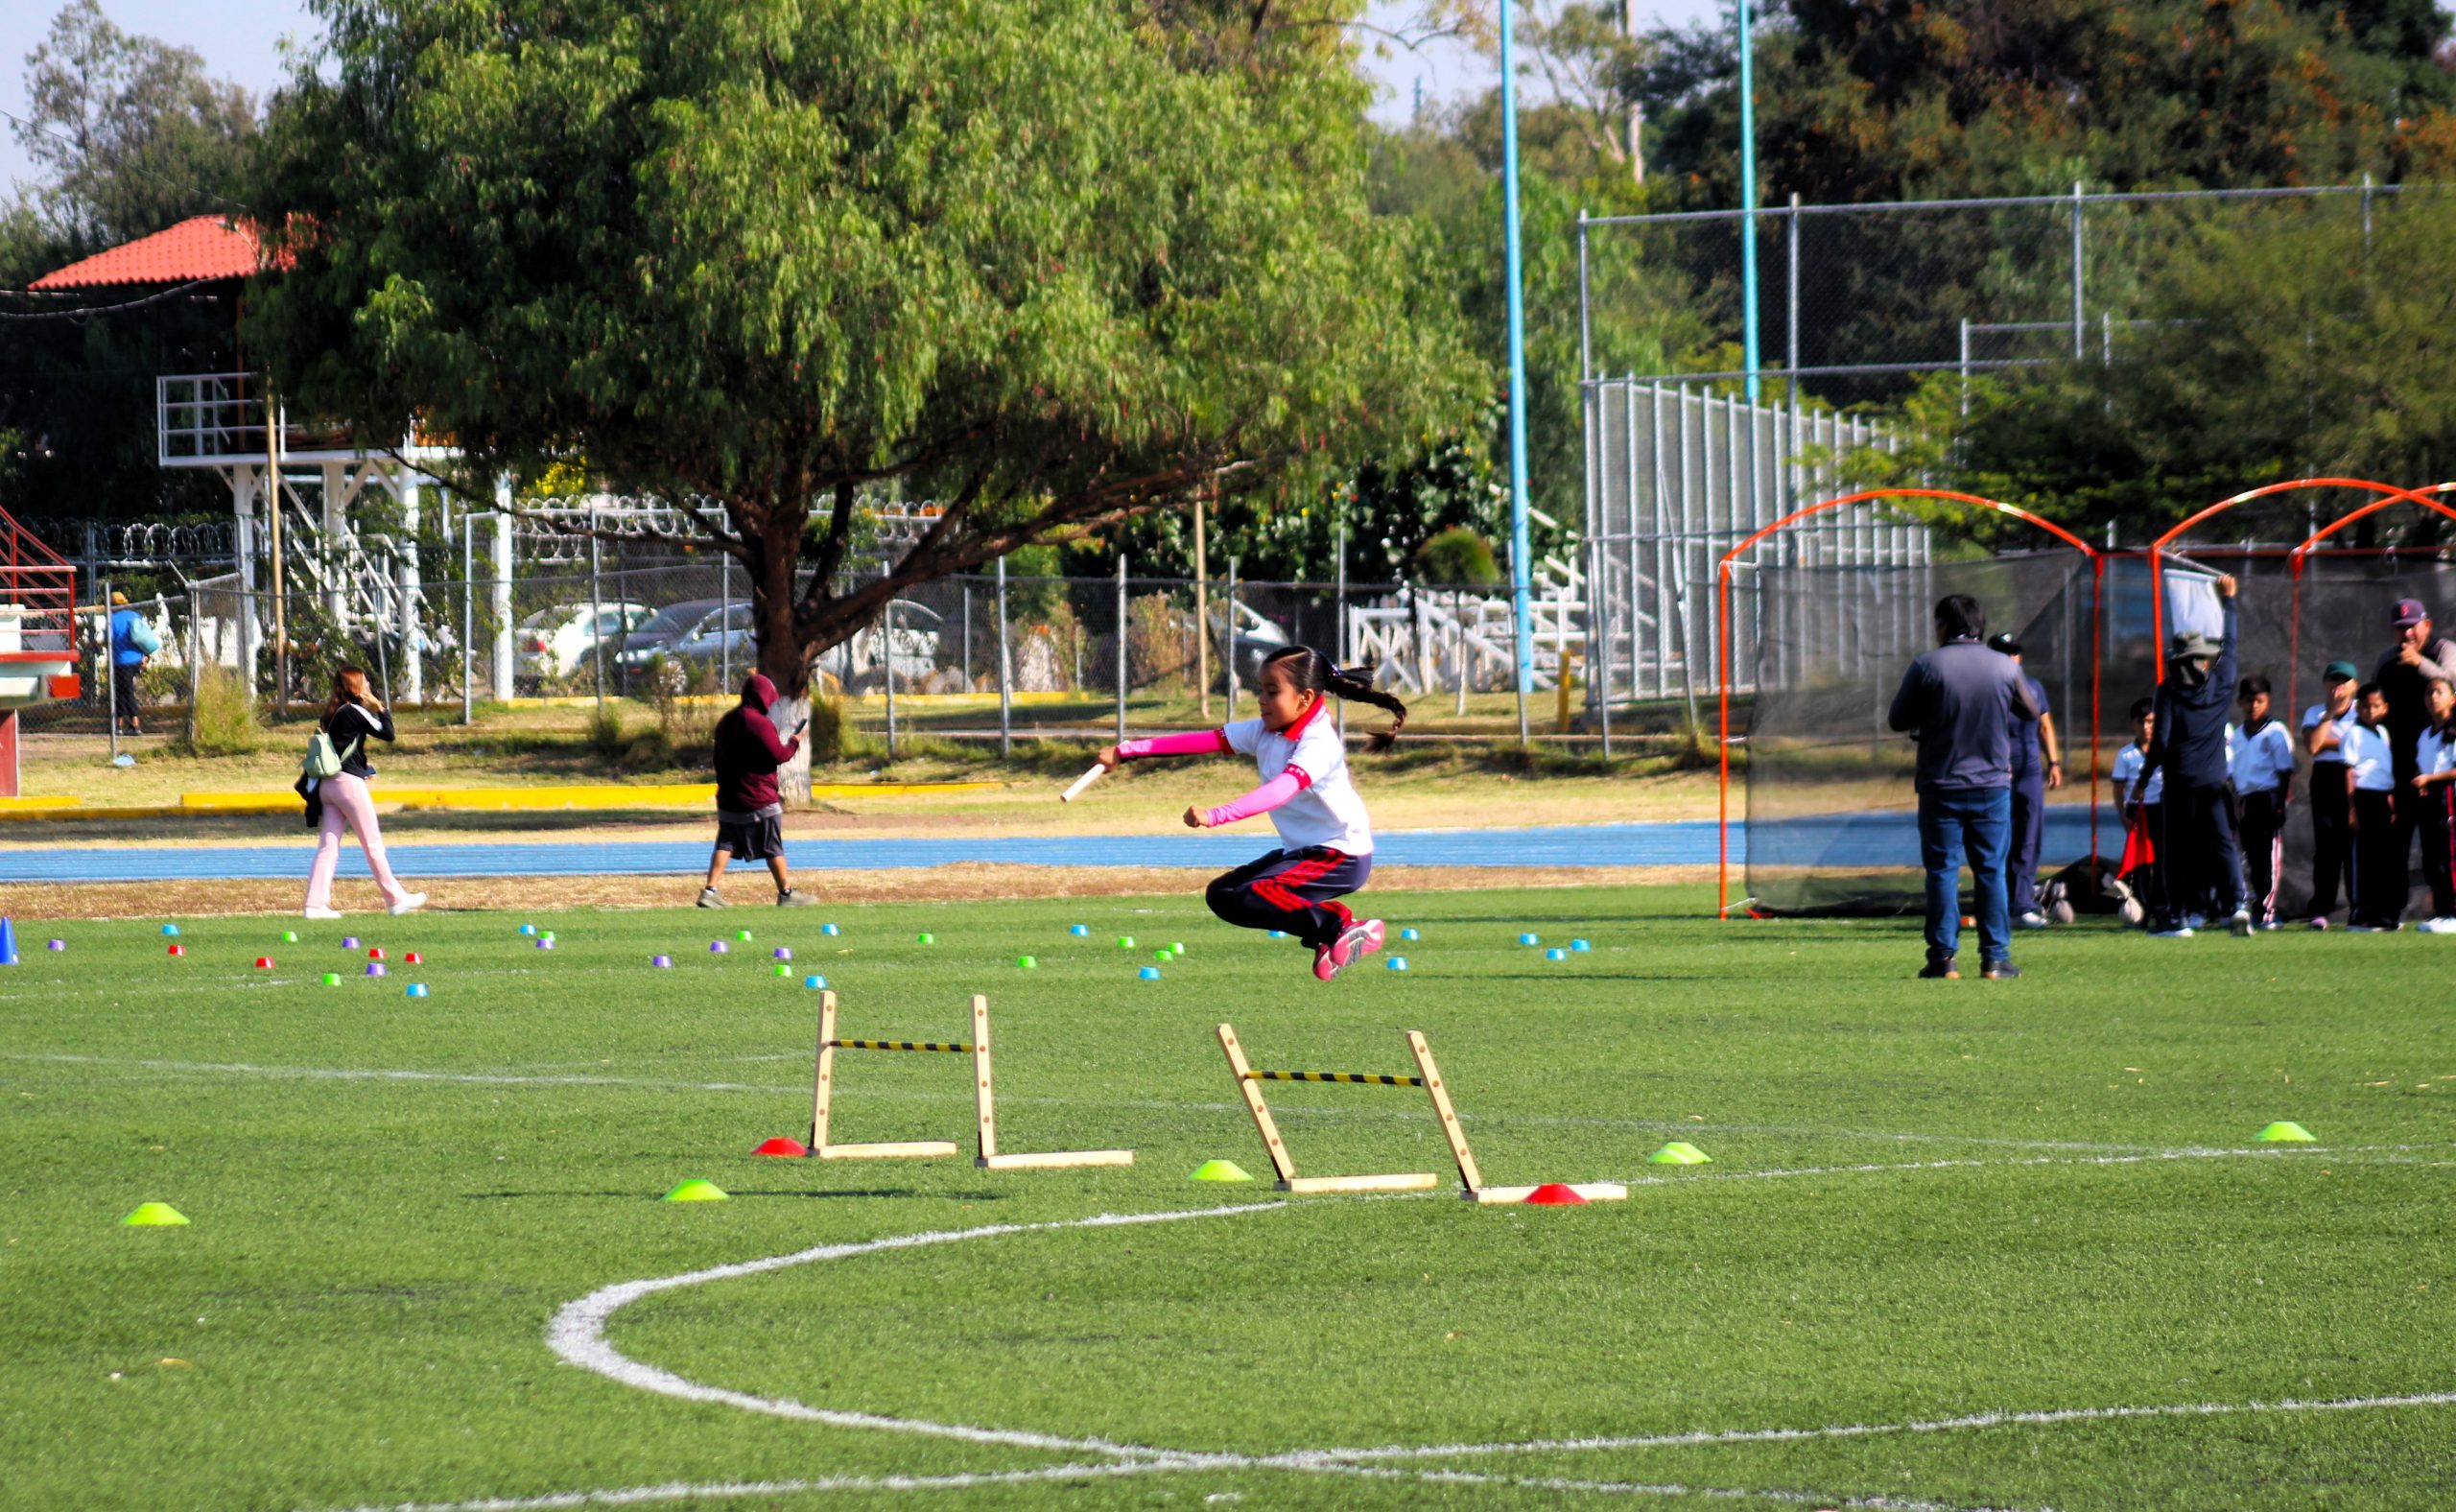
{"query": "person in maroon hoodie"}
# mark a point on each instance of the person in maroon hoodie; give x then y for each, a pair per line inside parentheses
(748, 811)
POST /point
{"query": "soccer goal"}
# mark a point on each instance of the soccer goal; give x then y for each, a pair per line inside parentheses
(1830, 821)
(2324, 590)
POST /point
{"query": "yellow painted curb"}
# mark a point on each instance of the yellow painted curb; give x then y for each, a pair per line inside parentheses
(38, 805)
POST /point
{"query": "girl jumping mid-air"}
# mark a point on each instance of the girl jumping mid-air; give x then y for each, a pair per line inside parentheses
(1324, 841)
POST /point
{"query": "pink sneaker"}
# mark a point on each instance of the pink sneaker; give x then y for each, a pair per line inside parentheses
(1355, 942)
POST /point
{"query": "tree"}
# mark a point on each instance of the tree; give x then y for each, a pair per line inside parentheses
(1045, 262)
(132, 136)
(133, 133)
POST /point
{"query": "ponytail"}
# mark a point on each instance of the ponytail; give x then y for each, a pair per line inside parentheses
(1313, 671)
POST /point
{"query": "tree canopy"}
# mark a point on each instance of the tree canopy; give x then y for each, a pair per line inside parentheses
(1047, 263)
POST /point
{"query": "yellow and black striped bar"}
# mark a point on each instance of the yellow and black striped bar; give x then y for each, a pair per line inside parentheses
(926, 1045)
(1360, 1078)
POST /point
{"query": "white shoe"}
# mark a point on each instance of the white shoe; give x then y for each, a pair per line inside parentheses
(2439, 926)
(324, 914)
(408, 905)
(2240, 925)
(2181, 932)
(2031, 920)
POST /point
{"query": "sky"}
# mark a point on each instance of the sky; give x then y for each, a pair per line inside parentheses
(240, 41)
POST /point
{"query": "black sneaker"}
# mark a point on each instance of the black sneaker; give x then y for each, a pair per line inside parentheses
(1940, 971)
(1999, 971)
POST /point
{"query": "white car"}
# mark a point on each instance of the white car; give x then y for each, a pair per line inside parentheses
(556, 642)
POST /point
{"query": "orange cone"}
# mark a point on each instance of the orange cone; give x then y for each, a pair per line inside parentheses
(780, 1145)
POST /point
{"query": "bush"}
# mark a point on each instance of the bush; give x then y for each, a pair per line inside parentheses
(225, 715)
(606, 733)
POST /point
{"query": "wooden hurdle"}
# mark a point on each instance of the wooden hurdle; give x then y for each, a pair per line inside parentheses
(984, 1102)
(1428, 1076)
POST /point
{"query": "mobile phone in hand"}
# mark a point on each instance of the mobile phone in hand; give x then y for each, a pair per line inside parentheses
(803, 726)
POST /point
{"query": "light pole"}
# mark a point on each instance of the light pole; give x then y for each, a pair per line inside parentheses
(1747, 203)
(1520, 573)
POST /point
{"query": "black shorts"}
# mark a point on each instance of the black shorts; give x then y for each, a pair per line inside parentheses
(124, 686)
(752, 839)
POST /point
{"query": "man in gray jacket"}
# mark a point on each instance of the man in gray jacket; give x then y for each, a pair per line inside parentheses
(1961, 700)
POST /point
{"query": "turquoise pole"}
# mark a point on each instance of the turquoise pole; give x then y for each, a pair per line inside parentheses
(1747, 203)
(1521, 564)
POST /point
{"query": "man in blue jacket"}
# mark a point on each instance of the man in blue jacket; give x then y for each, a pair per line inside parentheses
(2188, 745)
(1962, 701)
(132, 640)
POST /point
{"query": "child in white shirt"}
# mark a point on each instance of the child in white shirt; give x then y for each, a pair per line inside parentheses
(1325, 840)
(2263, 766)
(2433, 790)
(2379, 882)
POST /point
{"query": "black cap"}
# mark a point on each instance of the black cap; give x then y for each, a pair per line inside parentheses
(2002, 641)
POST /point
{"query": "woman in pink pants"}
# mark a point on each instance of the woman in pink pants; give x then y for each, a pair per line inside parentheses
(343, 802)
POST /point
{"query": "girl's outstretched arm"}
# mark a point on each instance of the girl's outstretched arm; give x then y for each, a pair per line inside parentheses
(1192, 743)
(1261, 800)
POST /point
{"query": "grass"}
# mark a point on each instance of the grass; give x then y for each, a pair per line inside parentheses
(1928, 1200)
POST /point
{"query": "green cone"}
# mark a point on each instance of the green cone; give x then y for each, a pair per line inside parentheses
(2282, 1133)
(696, 1190)
(155, 1214)
(1219, 1171)
(1679, 1153)
(1026, 963)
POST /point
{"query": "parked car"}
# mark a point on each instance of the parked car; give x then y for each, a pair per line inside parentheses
(720, 640)
(662, 633)
(913, 648)
(554, 642)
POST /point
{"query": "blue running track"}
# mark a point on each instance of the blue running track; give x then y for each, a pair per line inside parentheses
(1858, 839)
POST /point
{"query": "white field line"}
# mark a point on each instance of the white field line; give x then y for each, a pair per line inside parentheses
(532, 1078)
(576, 1334)
(680, 1491)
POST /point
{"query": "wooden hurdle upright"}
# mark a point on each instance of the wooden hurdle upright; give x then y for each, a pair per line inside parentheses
(1427, 1076)
(984, 1102)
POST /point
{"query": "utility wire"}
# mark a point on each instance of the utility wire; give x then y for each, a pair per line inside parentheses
(103, 309)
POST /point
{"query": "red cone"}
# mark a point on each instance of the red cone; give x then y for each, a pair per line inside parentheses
(264, 963)
(179, 950)
(412, 958)
(1555, 1194)
(780, 1145)
(377, 954)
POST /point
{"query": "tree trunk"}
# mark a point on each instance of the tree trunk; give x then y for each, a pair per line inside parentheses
(781, 656)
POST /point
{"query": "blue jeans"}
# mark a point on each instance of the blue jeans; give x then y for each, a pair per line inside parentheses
(1978, 821)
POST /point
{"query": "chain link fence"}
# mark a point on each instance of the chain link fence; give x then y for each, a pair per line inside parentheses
(1855, 303)
(985, 658)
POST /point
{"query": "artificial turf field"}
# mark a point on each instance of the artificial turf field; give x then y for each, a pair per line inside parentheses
(1932, 1208)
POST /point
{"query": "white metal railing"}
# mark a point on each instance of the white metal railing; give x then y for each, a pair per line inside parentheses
(220, 420)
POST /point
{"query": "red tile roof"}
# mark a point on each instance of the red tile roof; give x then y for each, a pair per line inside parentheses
(206, 247)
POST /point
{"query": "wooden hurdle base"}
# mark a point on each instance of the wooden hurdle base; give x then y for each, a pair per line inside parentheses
(1591, 1191)
(984, 1096)
(1428, 1078)
(986, 1104)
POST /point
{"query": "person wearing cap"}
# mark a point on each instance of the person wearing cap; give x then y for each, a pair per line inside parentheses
(2405, 676)
(2323, 728)
(2032, 779)
(132, 640)
(1961, 701)
(2188, 743)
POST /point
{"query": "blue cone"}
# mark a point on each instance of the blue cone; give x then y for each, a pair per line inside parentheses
(8, 942)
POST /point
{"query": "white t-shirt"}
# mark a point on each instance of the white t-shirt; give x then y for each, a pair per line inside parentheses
(2263, 761)
(1328, 811)
(2316, 716)
(2373, 760)
(2434, 751)
(2127, 770)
